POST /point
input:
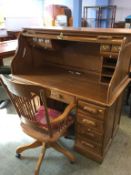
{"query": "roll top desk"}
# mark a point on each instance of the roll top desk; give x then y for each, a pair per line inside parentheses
(88, 66)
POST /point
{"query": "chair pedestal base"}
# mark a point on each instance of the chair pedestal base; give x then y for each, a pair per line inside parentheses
(64, 151)
(36, 144)
(28, 146)
(41, 156)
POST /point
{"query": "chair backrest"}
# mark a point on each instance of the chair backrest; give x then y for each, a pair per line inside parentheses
(27, 99)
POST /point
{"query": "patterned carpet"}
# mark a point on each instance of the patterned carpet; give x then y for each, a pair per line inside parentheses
(116, 162)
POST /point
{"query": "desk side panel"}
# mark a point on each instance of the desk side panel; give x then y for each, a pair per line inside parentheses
(23, 59)
(120, 78)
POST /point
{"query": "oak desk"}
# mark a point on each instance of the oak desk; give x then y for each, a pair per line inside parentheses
(6, 35)
(88, 66)
(7, 49)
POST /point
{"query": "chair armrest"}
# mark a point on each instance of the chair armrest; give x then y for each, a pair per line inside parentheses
(64, 115)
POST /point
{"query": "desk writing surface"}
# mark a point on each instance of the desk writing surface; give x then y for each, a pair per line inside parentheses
(67, 48)
(82, 30)
(64, 81)
(7, 47)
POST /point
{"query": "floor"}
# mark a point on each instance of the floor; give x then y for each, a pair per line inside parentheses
(116, 162)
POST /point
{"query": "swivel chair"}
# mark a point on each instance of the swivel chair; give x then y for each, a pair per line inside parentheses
(45, 125)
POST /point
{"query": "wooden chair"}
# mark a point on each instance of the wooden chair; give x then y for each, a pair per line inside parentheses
(36, 120)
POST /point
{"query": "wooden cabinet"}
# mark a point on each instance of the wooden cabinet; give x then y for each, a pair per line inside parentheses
(90, 128)
(95, 128)
(87, 66)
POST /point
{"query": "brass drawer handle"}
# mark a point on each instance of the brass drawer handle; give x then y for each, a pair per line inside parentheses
(60, 36)
(56, 95)
(115, 48)
(90, 110)
(104, 37)
(88, 133)
(61, 96)
(88, 144)
(100, 110)
(105, 48)
(88, 122)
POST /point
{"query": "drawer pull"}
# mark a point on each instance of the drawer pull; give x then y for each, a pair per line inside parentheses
(61, 96)
(91, 134)
(88, 133)
(88, 122)
(100, 111)
(61, 36)
(104, 37)
(90, 110)
(88, 144)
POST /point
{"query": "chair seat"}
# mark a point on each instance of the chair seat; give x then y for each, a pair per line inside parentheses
(53, 114)
(37, 133)
(41, 115)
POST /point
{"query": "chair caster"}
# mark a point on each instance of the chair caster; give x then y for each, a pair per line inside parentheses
(18, 155)
(72, 162)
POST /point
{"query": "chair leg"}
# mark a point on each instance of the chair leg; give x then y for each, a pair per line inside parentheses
(61, 149)
(128, 94)
(22, 148)
(41, 156)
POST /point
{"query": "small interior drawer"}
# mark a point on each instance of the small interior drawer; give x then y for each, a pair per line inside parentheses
(115, 48)
(62, 97)
(91, 110)
(105, 48)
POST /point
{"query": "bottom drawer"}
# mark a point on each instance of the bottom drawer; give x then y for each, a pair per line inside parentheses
(89, 146)
(89, 154)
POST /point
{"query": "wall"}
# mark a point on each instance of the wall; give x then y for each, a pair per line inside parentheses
(23, 14)
(31, 13)
(68, 3)
(123, 9)
(94, 2)
(88, 2)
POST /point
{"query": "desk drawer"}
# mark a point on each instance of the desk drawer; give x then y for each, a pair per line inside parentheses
(105, 48)
(89, 133)
(89, 122)
(87, 145)
(91, 110)
(61, 96)
(115, 48)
